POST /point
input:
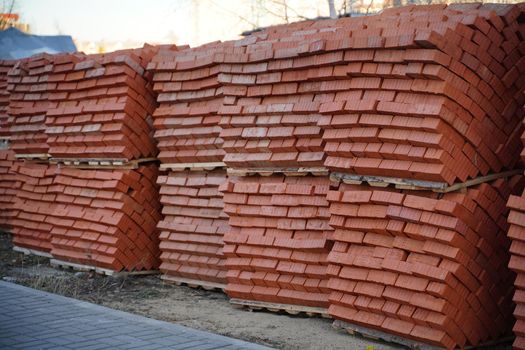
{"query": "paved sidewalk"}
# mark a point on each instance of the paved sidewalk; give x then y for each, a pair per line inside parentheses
(32, 319)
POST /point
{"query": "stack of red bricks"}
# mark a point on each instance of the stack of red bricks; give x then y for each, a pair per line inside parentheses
(105, 218)
(86, 107)
(278, 243)
(34, 205)
(431, 93)
(7, 180)
(421, 265)
(187, 131)
(516, 233)
(100, 106)
(28, 104)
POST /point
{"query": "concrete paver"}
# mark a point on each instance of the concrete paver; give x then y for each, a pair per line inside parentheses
(32, 319)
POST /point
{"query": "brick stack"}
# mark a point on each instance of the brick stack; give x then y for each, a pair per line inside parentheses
(278, 243)
(189, 96)
(187, 131)
(7, 179)
(101, 105)
(516, 233)
(33, 205)
(423, 266)
(434, 93)
(106, 218)
(28, 103)
(194, 224)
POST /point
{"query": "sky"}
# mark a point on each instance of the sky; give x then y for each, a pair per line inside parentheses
(152, 21)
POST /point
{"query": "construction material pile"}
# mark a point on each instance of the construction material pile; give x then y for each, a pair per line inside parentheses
(7, 180)
(187, 131)
(91, 113)
(28, 104)
(421, 265)
(279, 239)
(33, 205)
(106, 218)
(101, 106)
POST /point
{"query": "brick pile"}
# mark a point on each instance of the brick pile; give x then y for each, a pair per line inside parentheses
(516, 233)
(189, 97)
(106, 218)
(28, 104)
(194, 224)
(423, 266)
(279, 239)
(435, 94)
(101, 105)
(7, 179)
(187, 131)
(84, 107)
(33, 205)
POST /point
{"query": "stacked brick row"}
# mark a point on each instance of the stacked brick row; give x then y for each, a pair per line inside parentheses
(279, 239)
(101, 106)
(426, 267)
(28, 104)
(34, 205)
(7, 180)
(396, 97)
(80, 107)
(441, 103)
(187, 131)
(106, 218)
(194, 224)
(516, 234)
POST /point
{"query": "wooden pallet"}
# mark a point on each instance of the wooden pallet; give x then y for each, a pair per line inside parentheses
(303, 171)
(192, 166)
(377, 335)
(80, 267)
(411, 184)
(28, 251)
(34, 156)
(276, 307)
(181, 281)
(101, 163)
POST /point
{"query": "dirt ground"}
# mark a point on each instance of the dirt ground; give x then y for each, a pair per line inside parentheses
(150, 296)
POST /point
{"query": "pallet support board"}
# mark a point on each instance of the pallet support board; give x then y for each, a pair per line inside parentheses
(276, 307)
(101, 163)
(28, 251)
(33, 156)
(192, 166)
(192, 283)
(302, 171)
(100, 270)
(382, 336)
(376, 335)
(411, 184)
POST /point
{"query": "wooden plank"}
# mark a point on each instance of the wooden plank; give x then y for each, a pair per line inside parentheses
(194, 283)
(412, 184)
(28, 251)
(100, 270)
(301, 171)
(33, 156)
(102, 163)
(277, 307)
(192, 166)
(383, 336)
